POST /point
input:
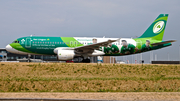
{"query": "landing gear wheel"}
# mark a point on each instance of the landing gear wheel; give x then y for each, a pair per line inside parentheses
(29, 59)
(86, 61)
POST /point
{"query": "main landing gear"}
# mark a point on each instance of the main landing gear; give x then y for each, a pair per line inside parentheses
(86, 60)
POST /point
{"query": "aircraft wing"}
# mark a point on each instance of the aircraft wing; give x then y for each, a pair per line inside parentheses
(161, 43)
(90, 48)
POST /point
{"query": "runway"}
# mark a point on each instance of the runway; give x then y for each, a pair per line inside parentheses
(46, 99)
(103, 96)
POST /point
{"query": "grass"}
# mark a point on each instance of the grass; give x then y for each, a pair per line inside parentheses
(65, 77)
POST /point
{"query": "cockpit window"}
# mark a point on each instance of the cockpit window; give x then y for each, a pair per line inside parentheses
(15, 41)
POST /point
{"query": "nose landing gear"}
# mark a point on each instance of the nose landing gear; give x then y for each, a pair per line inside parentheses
(29, 57)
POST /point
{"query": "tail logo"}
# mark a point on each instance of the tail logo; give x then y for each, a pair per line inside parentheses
(158, 27)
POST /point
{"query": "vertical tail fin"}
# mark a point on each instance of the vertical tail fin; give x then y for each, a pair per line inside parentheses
(157, 28)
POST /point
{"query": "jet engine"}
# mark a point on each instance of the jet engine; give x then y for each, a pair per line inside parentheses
(65, 54)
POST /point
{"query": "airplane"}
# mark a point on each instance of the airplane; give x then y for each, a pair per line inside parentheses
(66, 48)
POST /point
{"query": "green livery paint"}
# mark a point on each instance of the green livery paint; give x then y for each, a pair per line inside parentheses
(47, 45)
(19, 47)
(44, 45)
(145, 48)
(129, 48)
(156, 29)
(110, 50)
(72, 42)
(153, 34)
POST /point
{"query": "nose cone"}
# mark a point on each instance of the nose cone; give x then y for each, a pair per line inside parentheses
(8, 48)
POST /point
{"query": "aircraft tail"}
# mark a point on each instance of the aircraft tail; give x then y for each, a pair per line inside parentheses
(157, 28)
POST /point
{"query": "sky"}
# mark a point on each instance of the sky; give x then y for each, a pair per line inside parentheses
(90, 18)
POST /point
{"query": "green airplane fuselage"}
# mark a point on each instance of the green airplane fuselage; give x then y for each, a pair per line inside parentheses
(46, 45)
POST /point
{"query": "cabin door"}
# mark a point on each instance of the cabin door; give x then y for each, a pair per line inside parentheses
(28, 43)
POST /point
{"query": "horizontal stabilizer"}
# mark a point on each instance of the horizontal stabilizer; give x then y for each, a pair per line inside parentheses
(161, 43)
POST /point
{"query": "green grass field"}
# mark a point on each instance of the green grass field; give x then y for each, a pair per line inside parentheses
(65, 77)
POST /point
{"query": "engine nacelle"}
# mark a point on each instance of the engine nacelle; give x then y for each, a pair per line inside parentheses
(96, 53)
(65, 54)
